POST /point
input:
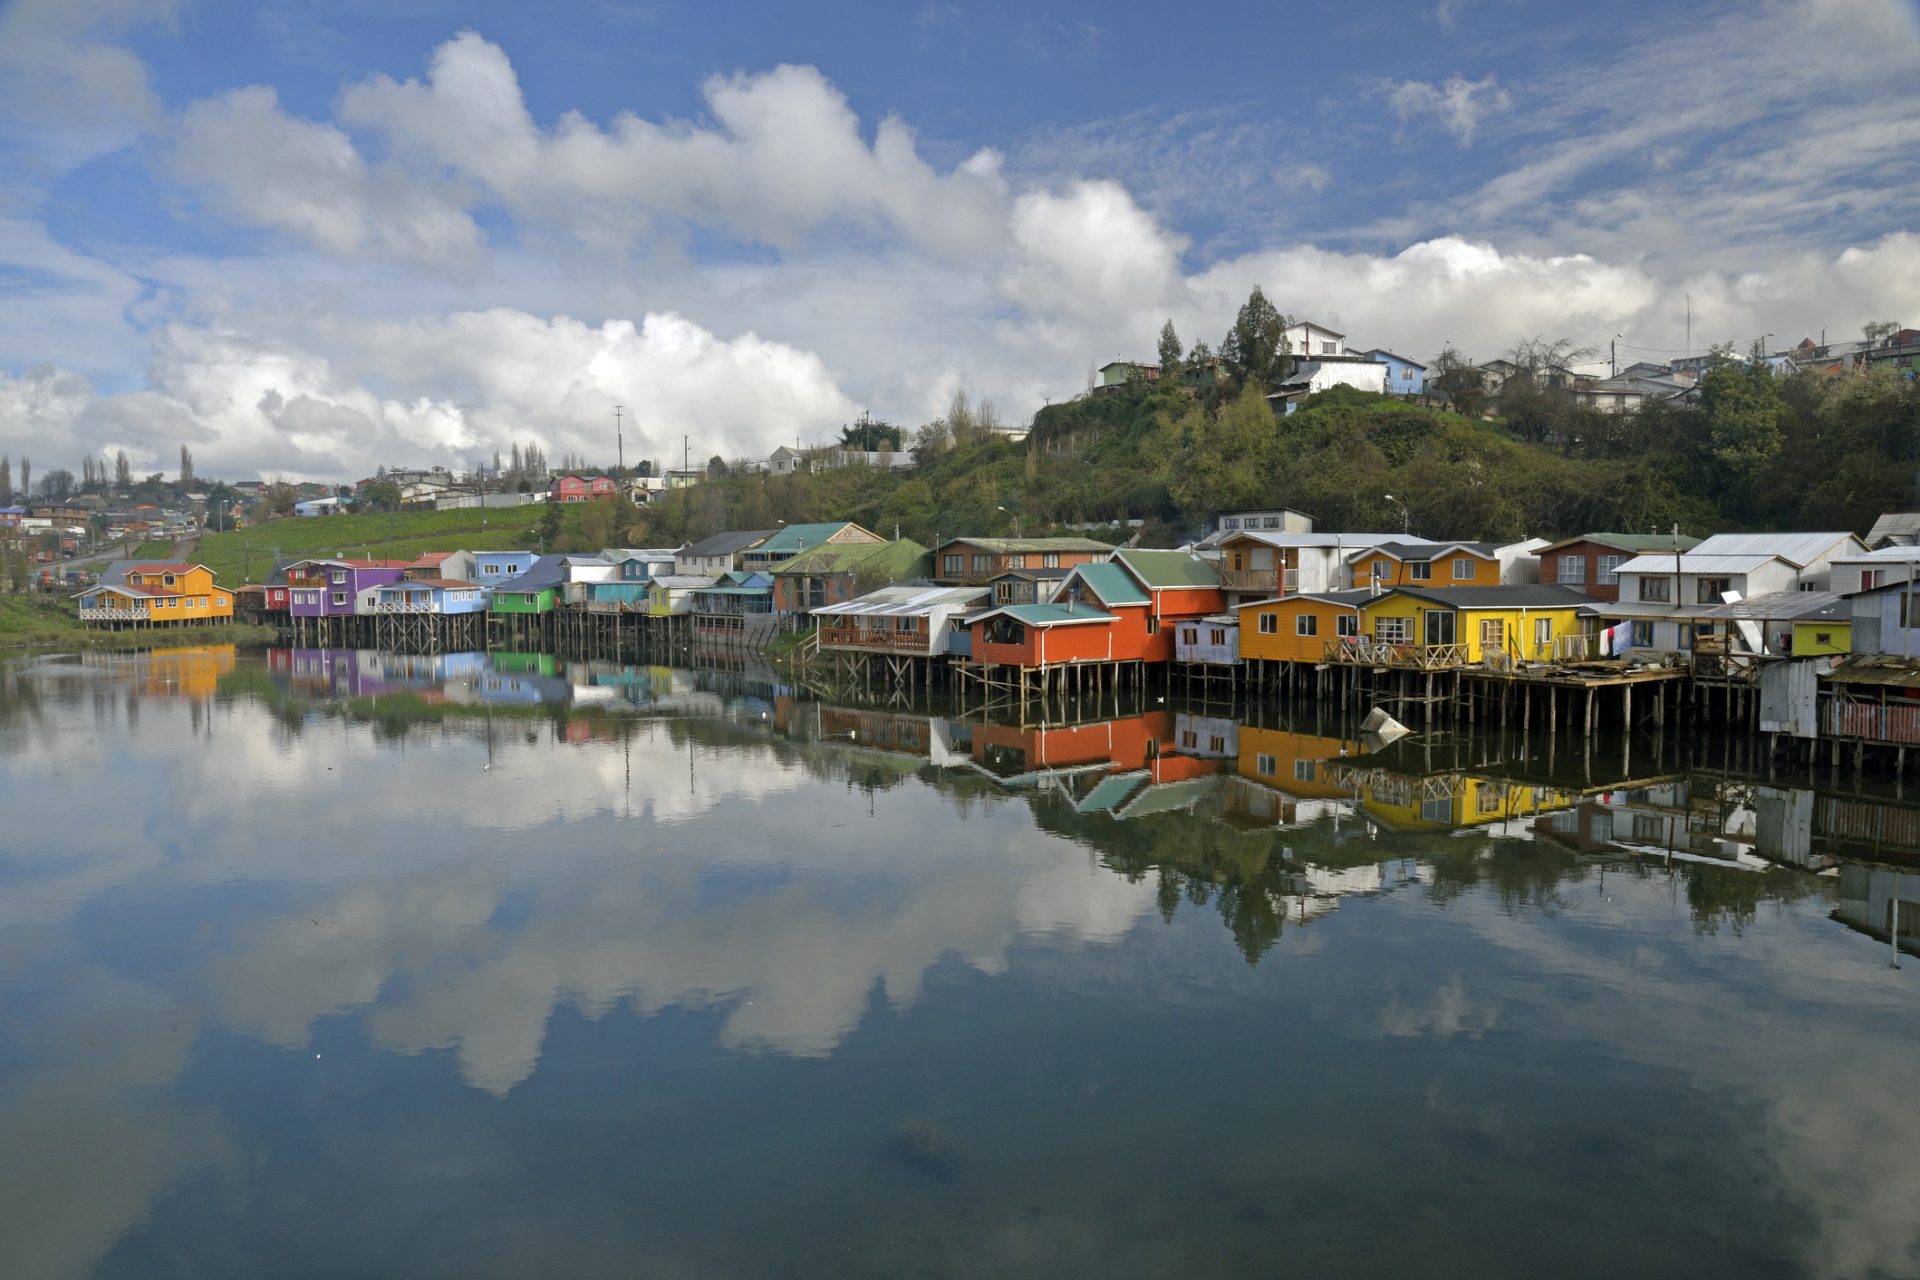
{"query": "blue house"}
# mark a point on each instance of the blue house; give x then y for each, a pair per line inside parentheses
(494, 566)
(1404, 377)
(430, 595)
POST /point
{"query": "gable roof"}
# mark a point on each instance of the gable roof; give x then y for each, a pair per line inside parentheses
(1164, 570)
(792, 539)
(544, 573)
(1404, 551)
(1698, 561)
(1531, 595)
(1635, 542)
(908, 601)
(1797, 549)
(1382, 351)
(1011, 546)
(1895, 526)
(1340, 541)
(1783, 606)
(903, 559)
(1109, 582)
(726, 543)
(1047, 615)
(1343, 599)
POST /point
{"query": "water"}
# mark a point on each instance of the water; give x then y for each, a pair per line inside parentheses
(327, 964)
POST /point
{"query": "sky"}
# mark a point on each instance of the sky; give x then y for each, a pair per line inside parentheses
(308, 240)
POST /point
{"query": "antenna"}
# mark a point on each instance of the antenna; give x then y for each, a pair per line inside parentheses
(619, 441)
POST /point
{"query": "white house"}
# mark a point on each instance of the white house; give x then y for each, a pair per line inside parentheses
(1310, 376)
(1260, 564)
(1213, 640)
(1809, 553)
(1307, 340)
(1662, 596)
(1894, 564)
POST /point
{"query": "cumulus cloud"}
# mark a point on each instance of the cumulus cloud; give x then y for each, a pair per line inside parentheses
(68, 90)
(1458, 104)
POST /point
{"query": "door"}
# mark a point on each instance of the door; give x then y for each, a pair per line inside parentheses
(1439, 627)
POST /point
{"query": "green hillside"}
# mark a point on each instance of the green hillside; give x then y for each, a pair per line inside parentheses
(245, 555)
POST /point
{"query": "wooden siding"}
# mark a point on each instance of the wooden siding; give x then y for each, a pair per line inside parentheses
(1486, 572)
(1285, 643)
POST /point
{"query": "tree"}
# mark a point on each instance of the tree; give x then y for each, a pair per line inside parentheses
(26, 475)
(1541, 361)
(1170, 354)
(122, 470)
(6, 480)
(279, 498)
(1878, 329)
(1256, 349)
(381, 495)
(57, 485)
(186, 467)
(1742, 402)
(519, 468)
(1199, 362)
(1223, 463)
(869, 436)
(717, 466)
(1464, 385)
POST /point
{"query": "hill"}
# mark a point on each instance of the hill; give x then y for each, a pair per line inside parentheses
(245, 555)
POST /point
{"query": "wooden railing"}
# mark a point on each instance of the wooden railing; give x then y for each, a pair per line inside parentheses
(1361, 651)
(113, 615)
(876, 639)
(1274, 581)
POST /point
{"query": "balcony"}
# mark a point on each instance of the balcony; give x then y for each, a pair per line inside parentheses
(1362, 652)
(310, 582)
(113, 615)
(874, 640)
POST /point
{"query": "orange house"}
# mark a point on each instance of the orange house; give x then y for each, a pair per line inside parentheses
(1299, 628)
(1133, 744)
(1119, 610)
(158, 595)
(1438, 564)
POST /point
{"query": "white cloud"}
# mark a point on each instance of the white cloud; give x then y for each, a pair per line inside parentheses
(1458, 104)
(67, 90)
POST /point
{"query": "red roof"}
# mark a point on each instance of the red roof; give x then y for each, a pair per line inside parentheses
(160, 568)
(428, 559)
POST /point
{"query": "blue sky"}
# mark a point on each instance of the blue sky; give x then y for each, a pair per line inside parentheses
(308, 239)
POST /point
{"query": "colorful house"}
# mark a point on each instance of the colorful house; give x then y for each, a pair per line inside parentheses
(722, 553)
(972, 562)
(443, 564)
(1299, 628)
(1465, 625)
(497, 566)
(532, 592)
(580, 487)
(443, 596)
(1444, 564)
(327, 588)
(157, 595)
(835, 573)
(1118, 610)
(1404, 377)
(672, 594)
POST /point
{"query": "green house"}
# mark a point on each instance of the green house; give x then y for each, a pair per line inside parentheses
(535, 591)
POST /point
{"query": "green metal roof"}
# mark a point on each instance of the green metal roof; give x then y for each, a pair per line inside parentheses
(903, 559)
(796, 538)
(1113, 584)
(1009, 546)
(1050, 615)
(1170, 568)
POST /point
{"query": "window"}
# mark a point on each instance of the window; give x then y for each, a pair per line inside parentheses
(1190, 740)
(1656, 590)
(950, 565)
(339, 597)
(1420, 570)
(1328, 348)
(1269, 624)
(1264, 765)
(1462, 569)
(906, 625)
(1231, 522)
(983, 564)
(1306, 624)
(1271, 522)
(1379, 570)
(1190, 635)
(1406, 375)
(1216, 744)
(1542, 634)
(1573, 571)
(1711, 589)
(1051, 560)
(1609, 567)
(1393, 630)
(339, 576)
(1640, 635)
(166, 579)
(1153, 626)
(1493, 634)
(1438, 809)
(490, 568)
(220, 600)
(1347, 625)
(1823, 637)
(1217, 635)
(1305, 770)
(1909, 616)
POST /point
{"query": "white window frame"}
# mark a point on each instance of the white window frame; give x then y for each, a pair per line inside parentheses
(1462, 568)
(1307, 625)
(1269, 624)
(1393, 629)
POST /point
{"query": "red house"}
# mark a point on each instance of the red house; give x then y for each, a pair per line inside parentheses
(1118, 610)
(578, 488)
(1587, 563)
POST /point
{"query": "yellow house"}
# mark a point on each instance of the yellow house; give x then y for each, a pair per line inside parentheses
(1814, 638)
(1450, 802)
(1470, 624)
(158, 595)
(1440, 564)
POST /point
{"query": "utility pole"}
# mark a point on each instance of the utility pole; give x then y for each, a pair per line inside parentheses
(619, 441)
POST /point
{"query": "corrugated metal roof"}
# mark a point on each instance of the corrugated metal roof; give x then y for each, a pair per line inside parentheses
(1899, 526)
(1881, 555)
(1877, 668)
(1347, 541)
(1798, 549)
(1698, 562)
(906, 601)
(1520, 596)
(1006, 546)
(1049, 615)
(1111, 583)
(1781, 606)
(1170, 568)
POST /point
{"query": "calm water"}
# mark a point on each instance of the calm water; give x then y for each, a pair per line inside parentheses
(334, 964)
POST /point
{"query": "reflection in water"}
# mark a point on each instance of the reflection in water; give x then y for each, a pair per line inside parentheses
(503, 964)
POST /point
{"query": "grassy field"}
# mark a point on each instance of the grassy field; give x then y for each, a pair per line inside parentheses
(246, 555)
(31, 622)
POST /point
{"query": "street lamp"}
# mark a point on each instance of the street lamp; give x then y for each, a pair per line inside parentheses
(1016, 520)
(1406, 517)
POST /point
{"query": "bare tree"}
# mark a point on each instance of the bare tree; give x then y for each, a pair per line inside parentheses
(186, 467)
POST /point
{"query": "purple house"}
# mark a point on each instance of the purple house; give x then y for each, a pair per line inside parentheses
(327, 588)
